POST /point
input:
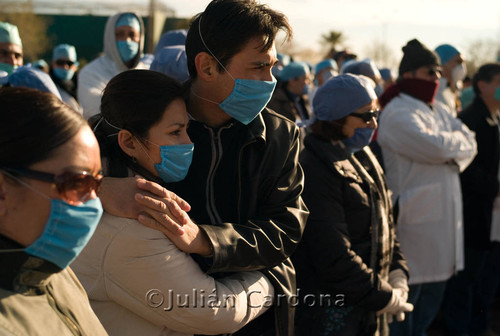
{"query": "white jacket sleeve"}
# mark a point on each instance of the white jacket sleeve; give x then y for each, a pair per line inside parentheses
(406, 133)
(148, 275)
(89, 91)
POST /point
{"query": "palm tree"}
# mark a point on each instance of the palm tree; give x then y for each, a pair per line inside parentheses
(333, 38)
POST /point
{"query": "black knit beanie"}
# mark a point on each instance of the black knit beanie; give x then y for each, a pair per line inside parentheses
(415, 55)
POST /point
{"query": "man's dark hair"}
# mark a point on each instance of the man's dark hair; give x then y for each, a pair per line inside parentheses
(226, 27)
(485, 73)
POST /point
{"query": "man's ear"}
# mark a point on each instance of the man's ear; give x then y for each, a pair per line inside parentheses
(128, 143)
(206, 66)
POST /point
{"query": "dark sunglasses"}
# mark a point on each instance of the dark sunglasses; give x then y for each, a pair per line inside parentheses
(74, 187)
(367, 116)
(61, 62)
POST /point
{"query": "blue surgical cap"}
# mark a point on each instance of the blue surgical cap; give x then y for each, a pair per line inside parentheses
(130, 20)
(386, 73)
(341, 96)
(40, 64)
(328, 63)
(171, 38)
(294, 70)
(446, 52)
(34, 78)
(9, 34)
(64, 51)
(283, 58)
(365, 67)
(172, 61)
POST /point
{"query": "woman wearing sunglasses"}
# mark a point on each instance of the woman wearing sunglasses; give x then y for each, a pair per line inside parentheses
(350, 270)
(49, 174)
(138, 281)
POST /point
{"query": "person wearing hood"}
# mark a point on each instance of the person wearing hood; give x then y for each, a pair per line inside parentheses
(349, 252)
(424, 149)
(11, 49)
(290, 97)
(453, 72)
(123, 48)
(62, 71)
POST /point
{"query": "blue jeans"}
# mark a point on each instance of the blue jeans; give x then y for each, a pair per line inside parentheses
(426, 299)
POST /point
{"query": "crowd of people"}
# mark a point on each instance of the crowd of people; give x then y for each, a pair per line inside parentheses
(220, 187)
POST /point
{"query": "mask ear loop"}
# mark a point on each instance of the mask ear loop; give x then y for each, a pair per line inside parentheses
(145, 151)
(210, 51)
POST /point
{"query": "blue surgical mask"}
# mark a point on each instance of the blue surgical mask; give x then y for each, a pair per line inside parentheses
(360, 139)
(127, 49)
(64, 74)
(8, 68)
(497, 93)
(175, 161)
(68, 230)
(248, 98)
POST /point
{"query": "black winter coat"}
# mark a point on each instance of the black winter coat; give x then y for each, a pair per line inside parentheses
(335, 255)
(480, 179)
(244, 187)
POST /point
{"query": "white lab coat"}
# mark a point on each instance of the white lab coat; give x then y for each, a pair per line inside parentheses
(424, 149)
(94, 77)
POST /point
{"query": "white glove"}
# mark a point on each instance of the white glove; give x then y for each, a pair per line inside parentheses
(396, 306)
(397, 279)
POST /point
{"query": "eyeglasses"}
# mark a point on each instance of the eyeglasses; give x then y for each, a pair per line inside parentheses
(74, 187)
(61, 62)
(367, 116)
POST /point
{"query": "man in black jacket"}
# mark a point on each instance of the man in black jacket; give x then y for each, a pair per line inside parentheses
(244, 183)
(480, 186)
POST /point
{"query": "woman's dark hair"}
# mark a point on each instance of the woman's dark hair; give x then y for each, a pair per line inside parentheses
(329, 130)
(34, 124)
(228, 25)
(134, 100)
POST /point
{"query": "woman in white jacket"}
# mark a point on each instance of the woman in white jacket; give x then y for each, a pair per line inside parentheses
(137, 280)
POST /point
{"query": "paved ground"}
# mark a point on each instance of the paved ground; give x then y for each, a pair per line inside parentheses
(437, 328)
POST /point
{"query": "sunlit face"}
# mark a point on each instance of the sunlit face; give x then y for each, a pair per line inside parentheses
(488, 89)
(170, 130)
(23, 211)
(250, 63)
(296, 85)
(430, 73)
(11, 54)
(124, 33)
(352, 123)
